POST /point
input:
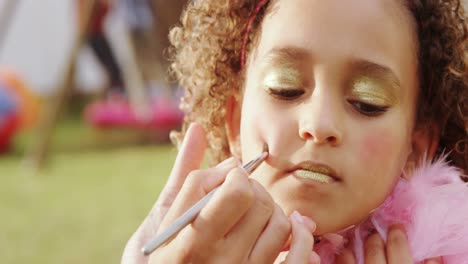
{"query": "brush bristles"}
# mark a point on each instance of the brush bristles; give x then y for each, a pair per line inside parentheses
(265, 148)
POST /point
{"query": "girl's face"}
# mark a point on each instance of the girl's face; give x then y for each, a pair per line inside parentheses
(331, 88)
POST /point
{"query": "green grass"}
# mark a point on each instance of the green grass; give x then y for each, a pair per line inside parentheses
(84, 206)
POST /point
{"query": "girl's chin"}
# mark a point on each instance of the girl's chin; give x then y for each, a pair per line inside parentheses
(326, 223)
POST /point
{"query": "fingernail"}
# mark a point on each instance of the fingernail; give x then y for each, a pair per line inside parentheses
(398, 228)
(228, 163)
(297, 217)
(188, 131)
(436, 260)
(309, 223)
(335, 239)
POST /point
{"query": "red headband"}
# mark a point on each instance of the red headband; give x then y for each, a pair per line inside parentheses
(410, 4)
(249, 28)
(252, 19)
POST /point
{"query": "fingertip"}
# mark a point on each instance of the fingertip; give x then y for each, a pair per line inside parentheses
(191, 152)
(311, 225)
(189, 158)
(242, 171)
(304, 220)
(397, 245)
(297, 217)
(194, 137)
(436, 260)
(335, 239)
(398, 229)
(194, 126)
(299, 228)
(302, 241)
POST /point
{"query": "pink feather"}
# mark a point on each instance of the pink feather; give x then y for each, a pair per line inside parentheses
(433, 208)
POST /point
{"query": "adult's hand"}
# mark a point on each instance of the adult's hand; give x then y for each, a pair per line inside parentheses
(302, 242)
(395, 251)
(189, 158)
(240, 224)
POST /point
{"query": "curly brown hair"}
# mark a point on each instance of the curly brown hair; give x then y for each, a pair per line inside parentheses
(206, 61)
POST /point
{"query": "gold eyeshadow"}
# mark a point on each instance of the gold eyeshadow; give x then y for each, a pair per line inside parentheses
(283, 77)
(373, 91)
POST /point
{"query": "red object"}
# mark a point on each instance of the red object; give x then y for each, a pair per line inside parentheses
(259, 6)
(8, 127)
(98, 18)
(98, 15)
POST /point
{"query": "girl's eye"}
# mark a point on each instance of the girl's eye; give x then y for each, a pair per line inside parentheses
(286, 94)
(368, 109)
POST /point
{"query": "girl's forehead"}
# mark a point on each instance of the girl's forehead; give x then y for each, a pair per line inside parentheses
(349, 11)
(312, 21)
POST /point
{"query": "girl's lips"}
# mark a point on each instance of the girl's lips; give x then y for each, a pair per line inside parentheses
(312, 175)
(315, 171)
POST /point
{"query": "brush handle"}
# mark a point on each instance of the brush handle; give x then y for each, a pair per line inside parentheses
(178, 224)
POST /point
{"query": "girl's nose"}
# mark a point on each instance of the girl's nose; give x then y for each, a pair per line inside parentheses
(321, 122)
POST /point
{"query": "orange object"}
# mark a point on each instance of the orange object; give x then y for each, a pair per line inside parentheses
(28, 103)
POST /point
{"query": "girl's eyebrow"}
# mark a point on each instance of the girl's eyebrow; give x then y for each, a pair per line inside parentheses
(375, 70)
(286, 54)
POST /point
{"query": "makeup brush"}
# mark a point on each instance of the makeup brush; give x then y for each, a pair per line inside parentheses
(191, 213)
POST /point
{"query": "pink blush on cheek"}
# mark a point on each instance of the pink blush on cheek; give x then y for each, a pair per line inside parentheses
(376, 145)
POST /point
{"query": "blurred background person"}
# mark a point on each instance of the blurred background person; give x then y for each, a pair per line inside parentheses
(98, 42)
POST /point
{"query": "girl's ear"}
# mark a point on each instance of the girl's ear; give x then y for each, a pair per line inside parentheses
(233, 115)
(424, 143)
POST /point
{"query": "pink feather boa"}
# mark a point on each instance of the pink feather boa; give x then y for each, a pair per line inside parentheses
(433, 208)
